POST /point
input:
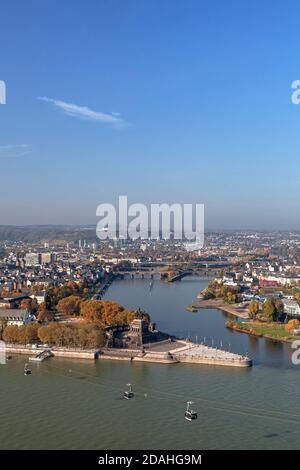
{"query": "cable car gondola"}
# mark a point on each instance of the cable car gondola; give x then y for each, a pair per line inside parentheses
(128, 393)
(26, 370)
(189, 414)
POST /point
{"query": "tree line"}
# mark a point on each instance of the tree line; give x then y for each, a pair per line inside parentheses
(218, 290)
(72, 299)
(272, 310)
(84, 336)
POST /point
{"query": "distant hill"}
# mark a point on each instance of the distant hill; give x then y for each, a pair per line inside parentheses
(44, 233)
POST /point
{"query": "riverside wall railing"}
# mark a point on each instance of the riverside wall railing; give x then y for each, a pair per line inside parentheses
(187, 354)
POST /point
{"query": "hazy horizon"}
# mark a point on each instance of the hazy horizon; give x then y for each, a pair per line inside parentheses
(93, 226)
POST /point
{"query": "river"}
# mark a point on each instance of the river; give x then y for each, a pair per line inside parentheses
(68, 404)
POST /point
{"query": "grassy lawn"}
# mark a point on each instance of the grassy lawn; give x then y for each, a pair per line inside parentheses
(273, 329)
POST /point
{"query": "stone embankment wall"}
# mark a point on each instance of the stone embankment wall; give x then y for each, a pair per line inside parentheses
(56, 352)
(215, 361)
(138, 356)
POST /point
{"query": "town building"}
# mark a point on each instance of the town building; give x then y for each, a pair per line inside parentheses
(33, 259)
(12, 302)
(17, 316)
(39, 297)
(291, 308)
(48, 258)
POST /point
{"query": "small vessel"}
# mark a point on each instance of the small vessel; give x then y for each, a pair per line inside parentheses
(128, 393)
(27, 371)
(151, 285)
(41, 356)
(190, 414)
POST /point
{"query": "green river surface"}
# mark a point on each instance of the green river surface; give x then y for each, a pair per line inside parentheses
(71, 404)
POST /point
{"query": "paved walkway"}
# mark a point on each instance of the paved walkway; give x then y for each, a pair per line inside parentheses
(206, 351)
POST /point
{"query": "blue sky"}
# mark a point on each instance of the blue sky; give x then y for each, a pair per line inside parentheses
(161, 100)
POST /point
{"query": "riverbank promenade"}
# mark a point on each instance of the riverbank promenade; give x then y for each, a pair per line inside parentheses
(179, 351)
(202, 354)
(164, 352)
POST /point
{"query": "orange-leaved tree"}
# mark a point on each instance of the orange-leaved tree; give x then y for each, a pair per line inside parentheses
(69, 305)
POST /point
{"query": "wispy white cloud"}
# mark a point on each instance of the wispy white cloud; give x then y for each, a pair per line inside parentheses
(13, 151)
(83, 112)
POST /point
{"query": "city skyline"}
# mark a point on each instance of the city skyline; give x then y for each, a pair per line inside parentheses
(162, 101)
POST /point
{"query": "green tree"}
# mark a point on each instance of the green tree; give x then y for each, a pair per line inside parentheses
(269, 310)
(279, 311)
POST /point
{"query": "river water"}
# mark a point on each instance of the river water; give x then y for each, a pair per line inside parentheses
(68, 404)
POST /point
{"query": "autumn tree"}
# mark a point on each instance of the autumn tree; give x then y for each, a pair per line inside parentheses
(91, 336)
(55, 294)
(23, 334)
(69, 305)
(74, 286)
(101, 312)
(3, 324)
(110, 311)
(292, 325)
(126, 316)
(11, 334)
(31, 332)
(63, 291)
(297, 296)
(91, 311)
(44, 315)
(208, 293)
(48, 334)
(269, 309)
(273, 310)
(96, 338)
(230, 297)
(29, 304)
(85, 336)
(27, 333)
(253, 308)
